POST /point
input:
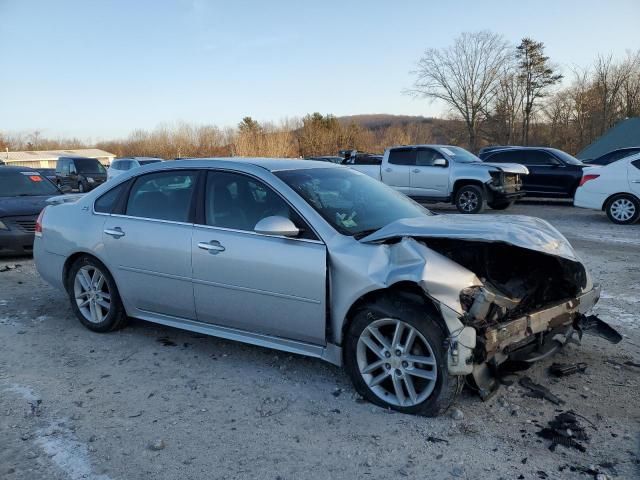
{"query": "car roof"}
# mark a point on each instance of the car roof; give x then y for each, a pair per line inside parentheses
(270, 164)
(13, 169)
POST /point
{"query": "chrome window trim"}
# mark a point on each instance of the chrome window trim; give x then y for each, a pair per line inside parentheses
(249, 232)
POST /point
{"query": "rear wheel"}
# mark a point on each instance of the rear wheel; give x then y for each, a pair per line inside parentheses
(623, 209)
(398, 361)
(94, 296)
(501, 205)
(470, 199)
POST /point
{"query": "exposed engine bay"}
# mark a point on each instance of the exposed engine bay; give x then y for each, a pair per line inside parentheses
(519, 280)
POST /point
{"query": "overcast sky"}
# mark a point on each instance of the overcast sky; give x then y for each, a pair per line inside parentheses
(98, 69)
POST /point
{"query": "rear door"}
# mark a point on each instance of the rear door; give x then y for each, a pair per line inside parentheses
(259, 283)
(148, 243)
(397, 171)
(426, 179)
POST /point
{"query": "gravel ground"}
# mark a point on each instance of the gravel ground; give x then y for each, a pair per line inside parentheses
(155, 402)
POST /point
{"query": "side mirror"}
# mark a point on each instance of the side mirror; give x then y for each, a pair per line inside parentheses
(439, 162)
(277, 225)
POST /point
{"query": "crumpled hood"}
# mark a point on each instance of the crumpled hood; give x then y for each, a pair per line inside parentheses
(505, 167)
(518, 230)
(22, 206)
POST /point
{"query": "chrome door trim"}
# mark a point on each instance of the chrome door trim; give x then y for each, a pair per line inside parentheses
(249, 232)
(154, 273)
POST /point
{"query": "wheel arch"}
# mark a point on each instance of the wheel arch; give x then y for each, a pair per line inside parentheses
(412, 295)
(610, 197)
(461, 182)
(71, 259)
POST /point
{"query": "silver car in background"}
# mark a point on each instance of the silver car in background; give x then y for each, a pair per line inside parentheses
(320, 260)
(120, 165)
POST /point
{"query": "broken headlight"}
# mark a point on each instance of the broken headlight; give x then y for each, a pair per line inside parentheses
(468, 296)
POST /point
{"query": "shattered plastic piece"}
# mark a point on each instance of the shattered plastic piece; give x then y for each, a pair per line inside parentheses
(565, 369)
(538, 391)
(565, 430)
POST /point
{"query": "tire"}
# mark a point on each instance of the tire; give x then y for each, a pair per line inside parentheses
(501, 205)
(623, 209)
(103, 291)
(431, 396)
(470, 199)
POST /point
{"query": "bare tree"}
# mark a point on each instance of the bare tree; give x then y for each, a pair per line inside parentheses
(537, 76)
(465, 76)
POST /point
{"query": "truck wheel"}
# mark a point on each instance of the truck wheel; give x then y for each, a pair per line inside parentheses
(623, 209)
(470, 199)
(94, 296)
(399, 360)
(501, 205)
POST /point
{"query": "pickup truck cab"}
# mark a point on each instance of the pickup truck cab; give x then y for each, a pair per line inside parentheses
(443, 173)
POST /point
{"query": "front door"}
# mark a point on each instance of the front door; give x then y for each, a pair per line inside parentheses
(248, 281)
(428, 180)
(150, 244)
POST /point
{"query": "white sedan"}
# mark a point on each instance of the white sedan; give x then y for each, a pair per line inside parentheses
(614, 188)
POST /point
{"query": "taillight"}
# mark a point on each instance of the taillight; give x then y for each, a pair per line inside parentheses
(38, 230)
(586, 178)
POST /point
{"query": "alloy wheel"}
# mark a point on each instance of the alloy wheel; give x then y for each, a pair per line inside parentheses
(622, 209)
(92, 294)
(468, 201)
(396, 362)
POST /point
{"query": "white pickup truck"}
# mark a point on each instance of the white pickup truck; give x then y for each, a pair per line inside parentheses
(443, 173)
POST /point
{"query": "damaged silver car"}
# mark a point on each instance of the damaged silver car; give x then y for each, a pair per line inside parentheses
(321, 260)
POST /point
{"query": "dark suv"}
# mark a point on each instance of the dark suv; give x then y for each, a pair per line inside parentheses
(552, 172)
(79, 173)
(612, 156)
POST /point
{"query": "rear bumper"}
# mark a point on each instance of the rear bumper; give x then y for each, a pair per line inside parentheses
(50, 266)
(585, 199)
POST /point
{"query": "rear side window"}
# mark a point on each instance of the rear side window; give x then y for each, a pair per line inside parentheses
(107, 202)
(162, 196)
(402, 156)
(508, 157)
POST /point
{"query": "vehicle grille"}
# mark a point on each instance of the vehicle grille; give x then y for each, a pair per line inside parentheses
(26, 224)
(512, 180)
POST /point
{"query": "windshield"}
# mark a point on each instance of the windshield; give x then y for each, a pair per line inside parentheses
(25, 184)
(460, 154)
(353, 203)
(566, 158)
(88, 165)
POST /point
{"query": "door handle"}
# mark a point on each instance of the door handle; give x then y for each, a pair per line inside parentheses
(115, 232)
(388, 170)
(635, 181)
(213, 247)
(416, 170)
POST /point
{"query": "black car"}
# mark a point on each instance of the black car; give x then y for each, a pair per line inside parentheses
(552, 172)
(79, 173)
(612, 156)
(23, 194)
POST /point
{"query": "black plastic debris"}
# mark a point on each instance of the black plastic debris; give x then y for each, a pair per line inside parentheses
(565, 369)
(538, 391)
(167, 342)
(437, 440)
(565, 429)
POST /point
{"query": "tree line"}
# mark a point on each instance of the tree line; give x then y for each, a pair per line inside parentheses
(496, 94)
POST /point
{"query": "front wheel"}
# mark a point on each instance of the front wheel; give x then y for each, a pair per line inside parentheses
(501, 205)
(398, 361)
(623, 209)
(470, 199)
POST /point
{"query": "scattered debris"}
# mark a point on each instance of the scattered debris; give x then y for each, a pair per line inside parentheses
(565, 430)
(272, 406)
(565, 369)
(632, 364)
(336, 392)
(157, 445)
(165, 341)
(538, 391)
(456, 414)
(432, 439)
(7, 268)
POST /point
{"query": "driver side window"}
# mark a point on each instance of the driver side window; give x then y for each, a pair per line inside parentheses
(239, 202)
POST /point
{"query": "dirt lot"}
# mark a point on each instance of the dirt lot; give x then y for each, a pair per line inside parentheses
(154, 402)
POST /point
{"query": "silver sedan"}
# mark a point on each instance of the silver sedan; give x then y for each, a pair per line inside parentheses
(320, 260)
